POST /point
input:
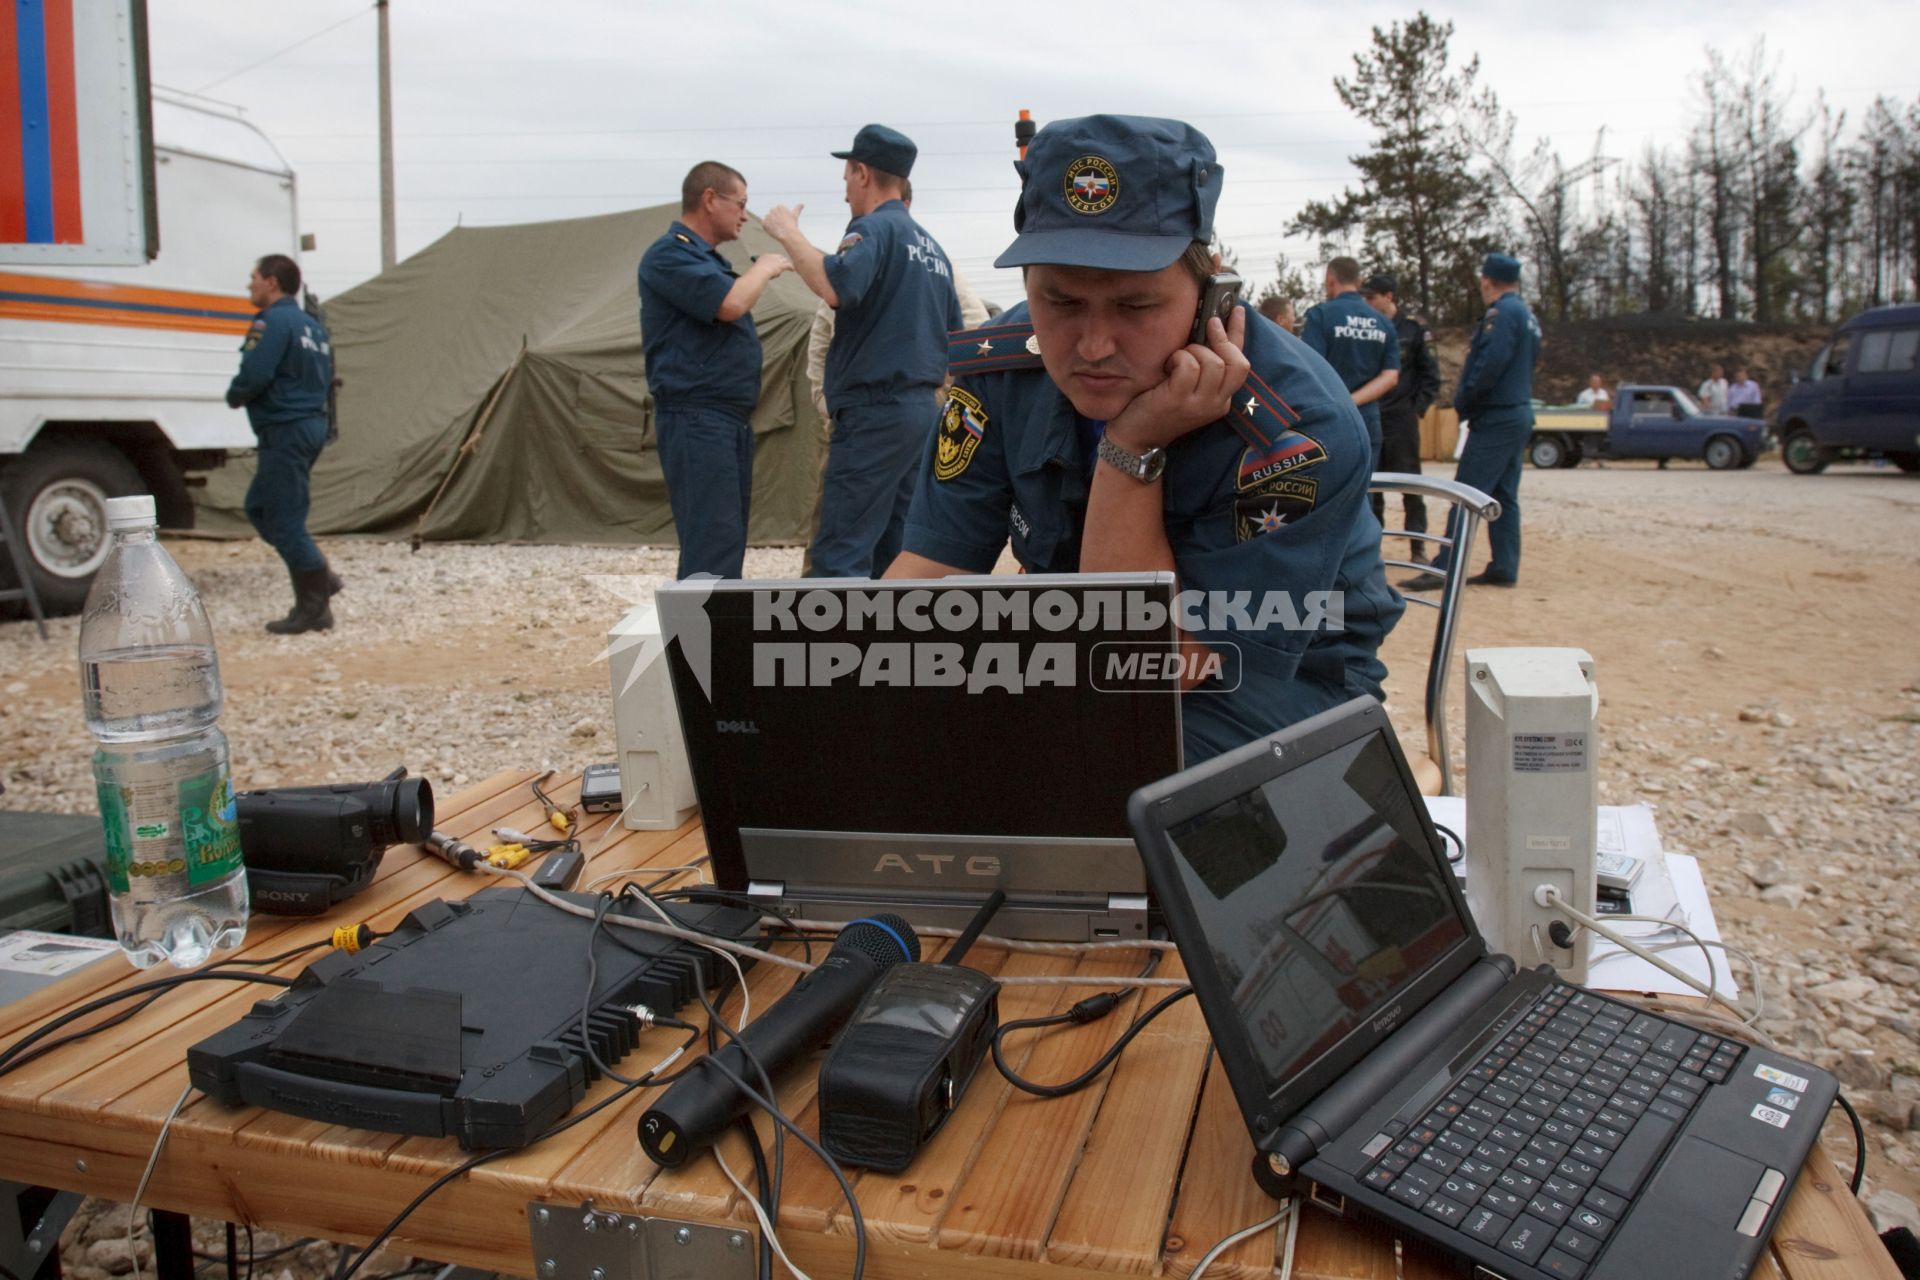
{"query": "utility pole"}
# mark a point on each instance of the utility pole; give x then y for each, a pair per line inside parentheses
(388, 251)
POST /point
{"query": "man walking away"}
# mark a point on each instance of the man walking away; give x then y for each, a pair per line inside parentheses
(1402, 408)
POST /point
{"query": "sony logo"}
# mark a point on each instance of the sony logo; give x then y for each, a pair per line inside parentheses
(279, 895)
(1386, 1021)
(735, 726)
(979, 864)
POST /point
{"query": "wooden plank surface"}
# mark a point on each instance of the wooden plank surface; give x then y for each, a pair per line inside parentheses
(1138, 1174)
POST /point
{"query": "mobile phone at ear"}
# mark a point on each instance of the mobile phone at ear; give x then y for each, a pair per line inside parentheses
(1217, 297)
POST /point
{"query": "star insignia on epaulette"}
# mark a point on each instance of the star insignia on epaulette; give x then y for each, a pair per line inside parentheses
(1033, 344)
(682, 239)
(986, 346)
(1252, 403)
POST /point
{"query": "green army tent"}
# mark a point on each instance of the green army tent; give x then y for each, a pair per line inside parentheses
(504, 364)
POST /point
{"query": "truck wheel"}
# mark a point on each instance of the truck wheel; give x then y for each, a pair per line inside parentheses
(1803, 454)
(1547, 452)
(57, 494)
(1906, 460)
(1722, 453)
(1574, 454)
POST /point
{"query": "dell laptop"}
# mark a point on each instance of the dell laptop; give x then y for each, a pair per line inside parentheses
(911, 746)
(1386, 1063)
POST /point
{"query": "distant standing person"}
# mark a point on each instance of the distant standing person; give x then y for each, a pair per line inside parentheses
(1713, 392)
(1494, 400)
(286, 369)
(1280, 311)
(1402, 408)
(892, 292)
(703, 367)
(1743, 396)
(1358, 342)
(1595, 395)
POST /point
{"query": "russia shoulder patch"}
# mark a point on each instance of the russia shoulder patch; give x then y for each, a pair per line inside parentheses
(963, 425)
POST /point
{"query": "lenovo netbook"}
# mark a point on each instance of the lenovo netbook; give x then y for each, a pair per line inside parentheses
(911, 746)
(1385, 1062)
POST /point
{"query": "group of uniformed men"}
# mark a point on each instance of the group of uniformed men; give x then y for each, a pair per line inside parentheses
(1098, 426)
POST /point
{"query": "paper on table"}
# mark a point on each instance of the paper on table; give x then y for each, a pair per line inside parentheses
(1670, 887)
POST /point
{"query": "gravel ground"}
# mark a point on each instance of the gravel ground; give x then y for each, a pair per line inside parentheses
(1753, 633)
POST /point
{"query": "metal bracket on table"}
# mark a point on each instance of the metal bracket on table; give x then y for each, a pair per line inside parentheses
(25, 1252)
(580, 1242)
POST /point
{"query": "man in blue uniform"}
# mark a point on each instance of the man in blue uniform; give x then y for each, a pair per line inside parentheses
(1402, 408)
(1495, 402)
(1358, 342)
(703, 367)
(891, 289)
(1089, 427)
(286, 370)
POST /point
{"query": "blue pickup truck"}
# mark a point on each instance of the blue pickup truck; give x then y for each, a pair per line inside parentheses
(1645, 422)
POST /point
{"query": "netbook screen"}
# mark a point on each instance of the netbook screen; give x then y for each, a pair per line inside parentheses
(1319, 898)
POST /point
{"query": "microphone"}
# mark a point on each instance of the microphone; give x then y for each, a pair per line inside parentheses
(697, 1109)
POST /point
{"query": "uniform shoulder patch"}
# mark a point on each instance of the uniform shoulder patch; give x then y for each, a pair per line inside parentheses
(1273, 504)
(992, 349)
(963, 425)
(255, 331)
(851, 239)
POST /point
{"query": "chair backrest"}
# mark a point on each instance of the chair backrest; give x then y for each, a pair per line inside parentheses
(1466, 507)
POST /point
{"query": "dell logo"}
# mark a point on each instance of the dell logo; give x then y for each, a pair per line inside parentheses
(735, 726)
(979, 864)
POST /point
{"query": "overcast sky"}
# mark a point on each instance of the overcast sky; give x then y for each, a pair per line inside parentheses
(516, 112)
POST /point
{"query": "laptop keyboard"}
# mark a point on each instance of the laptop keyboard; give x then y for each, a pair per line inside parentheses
(1538, 1150)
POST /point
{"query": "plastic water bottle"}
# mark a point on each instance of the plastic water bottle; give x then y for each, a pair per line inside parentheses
(151, 685)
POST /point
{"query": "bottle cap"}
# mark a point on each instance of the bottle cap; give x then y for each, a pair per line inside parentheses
(134, 512)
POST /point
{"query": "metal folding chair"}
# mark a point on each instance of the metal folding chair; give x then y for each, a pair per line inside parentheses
(10, 534)
(1473, 507)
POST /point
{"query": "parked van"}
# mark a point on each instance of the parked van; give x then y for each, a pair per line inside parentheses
(116, 377)
(1860, 398)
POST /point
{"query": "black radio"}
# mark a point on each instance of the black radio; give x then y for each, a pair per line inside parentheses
(907, 1057)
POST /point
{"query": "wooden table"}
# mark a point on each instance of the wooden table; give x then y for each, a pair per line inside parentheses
(1138, 1174)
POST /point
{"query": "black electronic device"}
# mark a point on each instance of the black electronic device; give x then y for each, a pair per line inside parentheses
(1217, 299)
(906, 1059)
(465, 1021)
(600, 788)
(692, 1114)
(307, 848)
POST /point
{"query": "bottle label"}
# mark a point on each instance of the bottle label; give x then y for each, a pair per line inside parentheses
(168, 838)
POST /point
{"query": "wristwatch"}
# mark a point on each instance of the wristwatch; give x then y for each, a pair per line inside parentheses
(1144, 467)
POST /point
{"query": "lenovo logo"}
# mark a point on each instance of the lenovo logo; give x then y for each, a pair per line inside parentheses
(939, 864)
(1388, 1020)
(735, 726)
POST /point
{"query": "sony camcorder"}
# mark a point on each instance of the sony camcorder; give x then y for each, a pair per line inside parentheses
(307, 848)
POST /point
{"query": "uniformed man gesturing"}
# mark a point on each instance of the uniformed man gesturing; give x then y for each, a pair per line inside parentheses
(1089, 428)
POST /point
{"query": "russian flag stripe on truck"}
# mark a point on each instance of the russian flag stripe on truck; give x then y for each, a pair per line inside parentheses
(39, 136)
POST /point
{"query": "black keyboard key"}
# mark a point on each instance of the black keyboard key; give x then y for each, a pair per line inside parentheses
(1660, 1062)
(1494, 1154)
(1687, 1080)
(1664, 1107)
(1631, 1106)
(1714, 1072)
(1603, 1135)
(1534, 1166)
(1462, 1189)
(1409, 1192)
(1409, 1148)
(1564, 1078)
(1499, 1097)
(1648, 1076)
(1486, 1225)
(1605, 1203)
(1454, 1144)
(1503, 1202)
(1520, 1184)
(1675, 1041)
(1546, 1148)
(1559, 1131)
(1380, 1179)
(1444, 1210)
(1547, 1209)
(1680, 1097)
(1527, 1239)
(1468, 1127)
(1647, 1027)
(1540, 1104)
(1635, 1090)
(1578, 1171)
(1607, 1024)
(1393, 1162)
(1506, 1135)
(1478, 1170)
(1441, 1161)
(1592, 1100)
(1481, 1109)
(1622, 1056)
(1558, 1188)
(1595, 1226)
(1524, 1120)
(1604, 1078)
(1576, 1061)
(1562, 1266)
(1628, 1168)
(1591, 1154)
(1615, 1119)
(1590, 1003)
(1575, 1114)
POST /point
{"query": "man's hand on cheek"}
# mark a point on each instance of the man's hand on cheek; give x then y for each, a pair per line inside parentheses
(1199, 387)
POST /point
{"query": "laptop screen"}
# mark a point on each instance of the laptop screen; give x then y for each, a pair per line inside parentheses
(1320, 899)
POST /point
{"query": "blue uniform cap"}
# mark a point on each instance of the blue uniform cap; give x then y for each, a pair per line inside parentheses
(888, 150)
(1122, 193)
(1501, 268)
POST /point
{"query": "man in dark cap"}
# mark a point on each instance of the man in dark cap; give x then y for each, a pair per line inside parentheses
(1091, 427)
(891, 289)
(703, 367)
(1495, 402)
(1358, 342)
(1402, 408)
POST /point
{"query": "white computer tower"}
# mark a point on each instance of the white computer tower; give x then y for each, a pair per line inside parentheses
(1532, 800)
(656, 785)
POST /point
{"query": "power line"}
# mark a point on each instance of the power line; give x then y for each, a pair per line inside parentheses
(214, 84)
